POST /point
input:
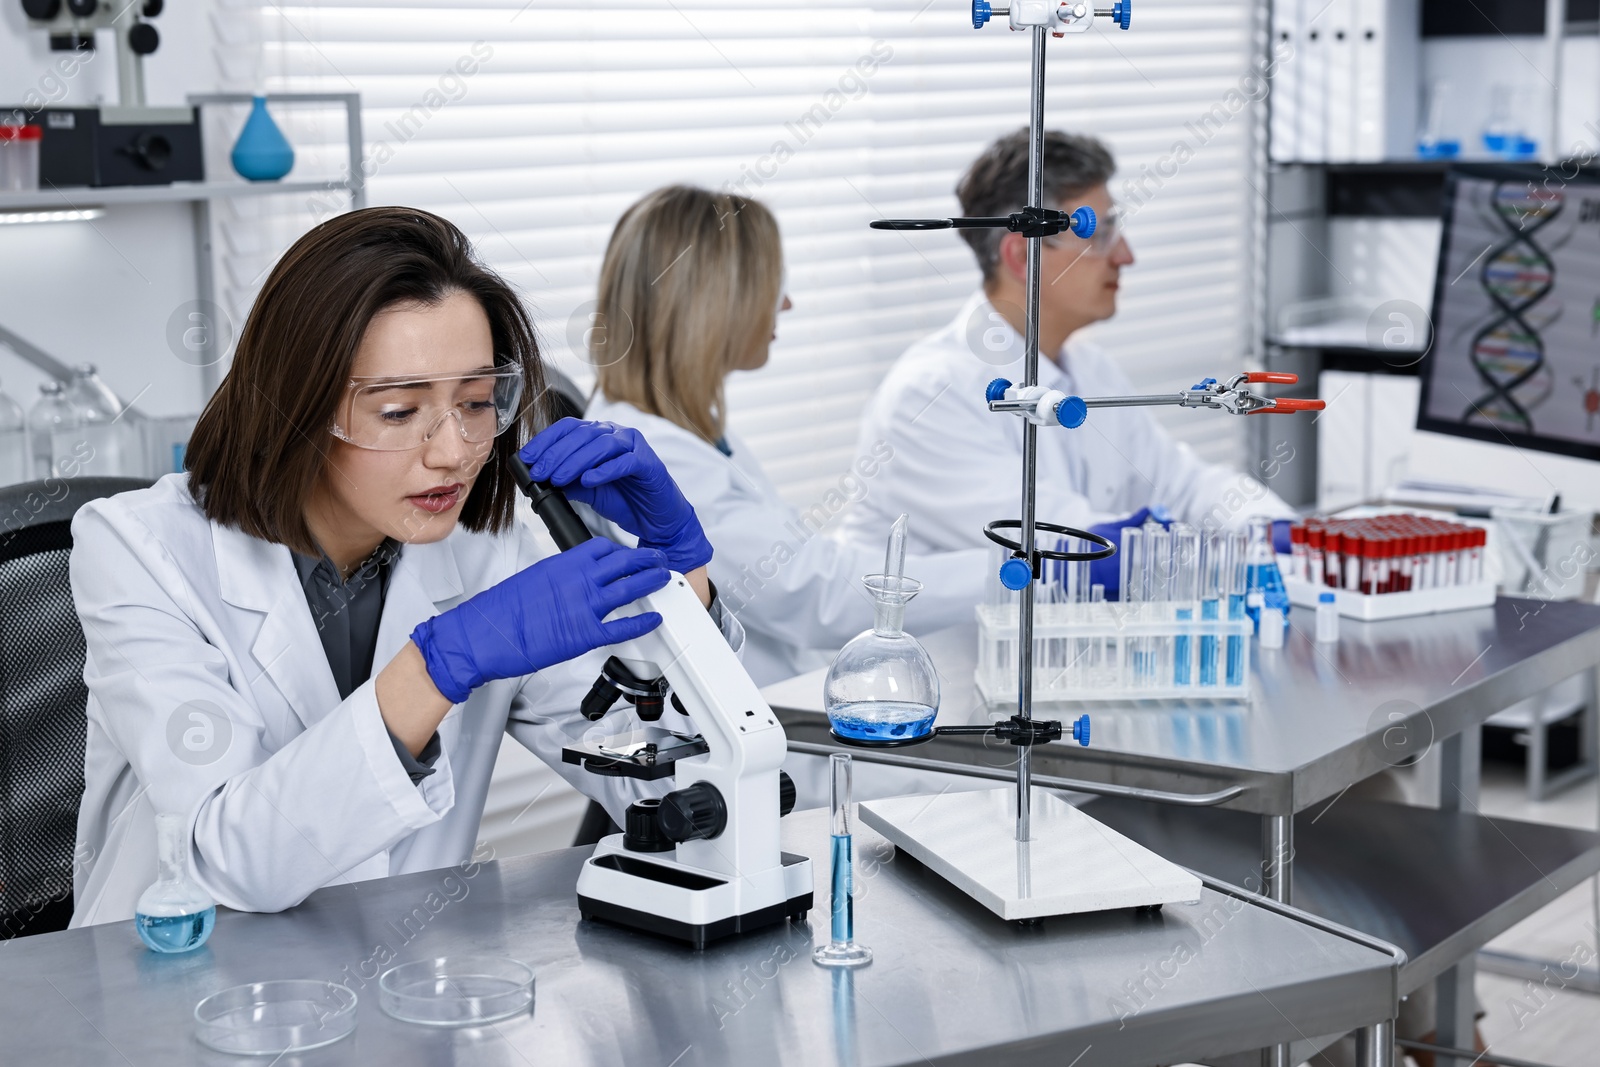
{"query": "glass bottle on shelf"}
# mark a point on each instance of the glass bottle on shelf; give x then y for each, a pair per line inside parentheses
(104, 437)
(13, 442)
(51, 414)
(174, 914)
(882, 688)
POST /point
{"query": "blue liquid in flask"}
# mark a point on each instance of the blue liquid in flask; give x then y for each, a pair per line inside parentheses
(176, 933)
(882, 720)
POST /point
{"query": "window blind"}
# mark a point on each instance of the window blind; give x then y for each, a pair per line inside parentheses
(532, 125)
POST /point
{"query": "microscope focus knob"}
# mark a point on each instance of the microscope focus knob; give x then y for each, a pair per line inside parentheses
(641, 831)
(786, 794)
(694, 812)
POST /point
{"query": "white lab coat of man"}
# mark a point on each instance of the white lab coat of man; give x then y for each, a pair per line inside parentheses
(797, 591)
(958, 466)
(210, 696)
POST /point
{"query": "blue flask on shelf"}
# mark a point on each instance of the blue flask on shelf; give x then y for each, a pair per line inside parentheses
(262, 153)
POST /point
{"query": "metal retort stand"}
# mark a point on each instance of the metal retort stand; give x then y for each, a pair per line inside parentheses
(1058, 860)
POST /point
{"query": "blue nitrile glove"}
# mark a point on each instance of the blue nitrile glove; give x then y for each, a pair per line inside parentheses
(613, 470)
(542, 615)
(1280, 536)
(1108, 571)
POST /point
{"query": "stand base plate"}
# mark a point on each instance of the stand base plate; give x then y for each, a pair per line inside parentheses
(1072, 864)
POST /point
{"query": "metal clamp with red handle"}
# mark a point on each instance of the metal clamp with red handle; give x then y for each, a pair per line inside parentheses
(1045, 406)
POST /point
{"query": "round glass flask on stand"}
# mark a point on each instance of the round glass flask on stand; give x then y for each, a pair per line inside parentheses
(882, 689)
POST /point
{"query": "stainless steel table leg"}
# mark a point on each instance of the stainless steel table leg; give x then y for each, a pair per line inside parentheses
(1277, 867)
(1458, 791)
(1277, 857)
(1375, 1045)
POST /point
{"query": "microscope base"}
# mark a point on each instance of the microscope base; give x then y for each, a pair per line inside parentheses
(1072, 864)
(659, 896)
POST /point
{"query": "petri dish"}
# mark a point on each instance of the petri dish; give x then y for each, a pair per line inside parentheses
(463, 990)
(270, 1018)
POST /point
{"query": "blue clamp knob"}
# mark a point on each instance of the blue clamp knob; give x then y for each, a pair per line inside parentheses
(1072, 412)
(981, 12)
(1121, 12)
(1083, 222)
(1015, 574)
(1080, 731)
(996, 390)
(1204, 383)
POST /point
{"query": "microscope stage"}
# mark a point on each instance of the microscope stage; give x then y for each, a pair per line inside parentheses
(1072, 864)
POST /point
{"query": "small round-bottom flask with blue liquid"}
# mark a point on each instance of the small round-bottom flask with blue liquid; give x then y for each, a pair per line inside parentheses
(174, 914)
(882, 688)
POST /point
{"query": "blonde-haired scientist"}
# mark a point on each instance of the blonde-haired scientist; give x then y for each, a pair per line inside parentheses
(691, 288)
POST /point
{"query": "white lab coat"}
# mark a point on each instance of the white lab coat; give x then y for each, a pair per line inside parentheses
(798, 593)
(958, 465)
(293, 789)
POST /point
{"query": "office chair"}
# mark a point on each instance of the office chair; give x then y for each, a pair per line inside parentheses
(42, 698)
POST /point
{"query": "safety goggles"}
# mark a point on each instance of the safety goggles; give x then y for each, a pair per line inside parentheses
(1108, 230)
(401, 413)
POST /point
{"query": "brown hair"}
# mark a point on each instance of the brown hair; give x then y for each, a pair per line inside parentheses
(691, 281)
(260, 444)
(997, 182)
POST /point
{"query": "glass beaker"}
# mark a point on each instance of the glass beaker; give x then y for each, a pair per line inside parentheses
(882, 688)
(174, 914)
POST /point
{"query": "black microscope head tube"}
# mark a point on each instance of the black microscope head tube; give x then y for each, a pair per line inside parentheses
(552, 506)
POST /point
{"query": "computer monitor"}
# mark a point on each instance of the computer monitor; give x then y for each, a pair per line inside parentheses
(1515, 351)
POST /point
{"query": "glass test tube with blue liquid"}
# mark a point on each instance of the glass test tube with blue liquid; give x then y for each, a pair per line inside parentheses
(174, 914)
(1238, 585)
(1185, 589)
(1158, 608)
(842, 950)
(1216, 570)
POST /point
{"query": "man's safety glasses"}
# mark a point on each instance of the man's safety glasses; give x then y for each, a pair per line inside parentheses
(396, 414)
(1108, 231)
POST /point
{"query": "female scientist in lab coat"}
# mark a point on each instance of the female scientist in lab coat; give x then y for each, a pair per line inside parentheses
(690, 291)
(310, 643)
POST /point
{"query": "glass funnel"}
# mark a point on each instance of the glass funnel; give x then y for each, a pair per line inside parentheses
(882, 688)
(174, 914)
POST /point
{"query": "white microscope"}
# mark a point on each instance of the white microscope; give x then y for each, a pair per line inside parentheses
(703, 861)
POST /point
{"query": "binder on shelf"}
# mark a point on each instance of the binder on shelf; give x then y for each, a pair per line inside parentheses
(1314, 23)
(1339, 81)
(1386, 61)
(1286, 98)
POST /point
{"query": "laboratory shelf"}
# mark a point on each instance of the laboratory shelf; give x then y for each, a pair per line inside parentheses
(1438, 885)
(77, 197)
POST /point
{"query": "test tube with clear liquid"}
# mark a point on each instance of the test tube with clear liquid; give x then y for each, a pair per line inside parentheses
(1134, 578)
(1158, 606)
(842, 950)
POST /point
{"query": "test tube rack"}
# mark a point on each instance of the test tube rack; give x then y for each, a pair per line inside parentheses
(1095, 652)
